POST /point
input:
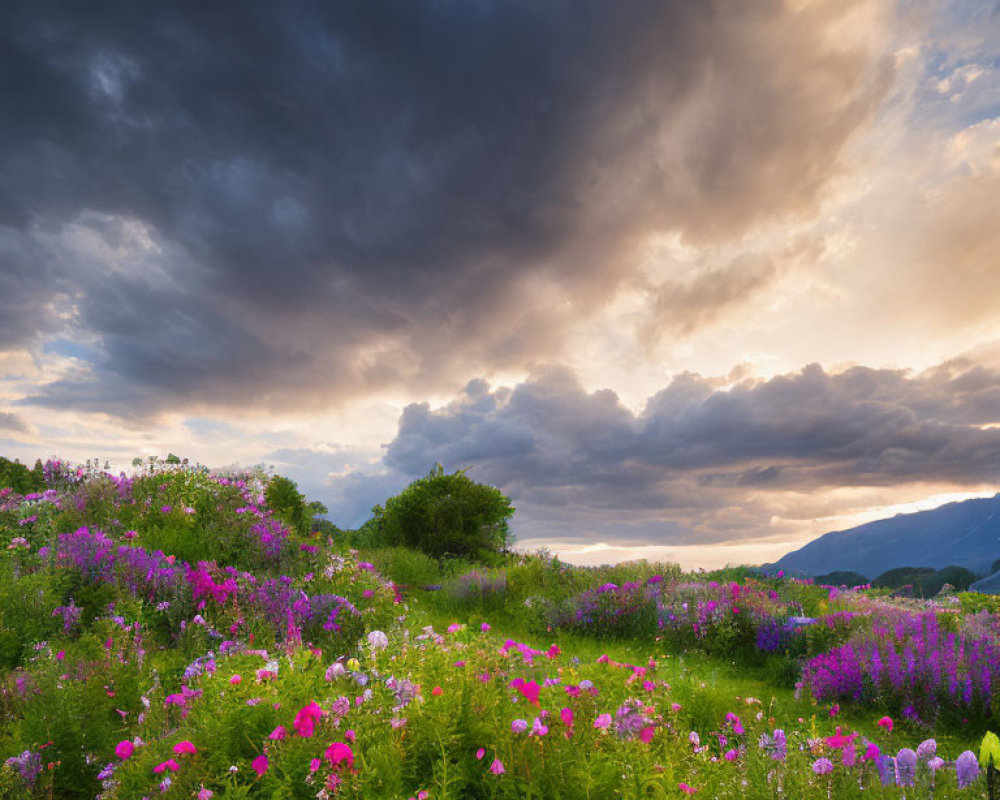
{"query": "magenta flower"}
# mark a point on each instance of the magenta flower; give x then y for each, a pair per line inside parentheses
(124, 749)
(839, 740)
(527, 689)
(538, 729)
(603, 721)
(278, 733)
(885, 723)
(497, 767)
(339, 753)
(480, 753)
(185, 748)
(259, 765)
(305, 719)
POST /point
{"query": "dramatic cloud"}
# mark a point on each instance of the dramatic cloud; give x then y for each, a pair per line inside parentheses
(373, 195)
(699, 451)
(289, 232)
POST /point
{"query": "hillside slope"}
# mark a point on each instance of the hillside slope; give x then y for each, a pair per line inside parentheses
(966, 533)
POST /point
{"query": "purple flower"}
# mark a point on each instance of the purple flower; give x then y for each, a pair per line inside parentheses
(966, 769)
(885, 764)
(518, 726)
(906, 767)
(926, 749)
(822, 766)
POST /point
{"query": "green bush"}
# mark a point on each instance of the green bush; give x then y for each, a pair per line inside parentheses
(447, 515)
(405, 567)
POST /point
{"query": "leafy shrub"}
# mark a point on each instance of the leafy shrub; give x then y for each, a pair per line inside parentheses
(447, 515)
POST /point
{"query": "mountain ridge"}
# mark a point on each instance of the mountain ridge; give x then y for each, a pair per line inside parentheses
(965, 533)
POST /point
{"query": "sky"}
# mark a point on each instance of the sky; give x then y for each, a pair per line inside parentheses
(687, 281)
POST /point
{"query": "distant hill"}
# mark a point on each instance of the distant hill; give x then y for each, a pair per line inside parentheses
(966, 534)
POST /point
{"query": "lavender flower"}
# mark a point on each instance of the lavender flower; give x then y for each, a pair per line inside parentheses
(885, 765)
(906, 767)
(966, 769)
(926, 749)
(822, 766)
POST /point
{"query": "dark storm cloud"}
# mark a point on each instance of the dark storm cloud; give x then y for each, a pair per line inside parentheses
(364, 194)
(697, 458)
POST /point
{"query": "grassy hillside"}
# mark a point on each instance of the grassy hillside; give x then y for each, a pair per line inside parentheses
(173, 634)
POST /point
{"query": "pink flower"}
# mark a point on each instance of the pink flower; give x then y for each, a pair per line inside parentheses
(839, 740)
(305, 720)
(205, 794)
(497, 767)
(886, 723)
(484, 627)
(646, 734)
(834, 710)
(454, 628)
(871, 752)
(185, 748)
(437, 691)
(686, 789)
(603, 721)
(277, 734)
(315, 764)
(731, 755)
(339, 753)
(527, 689)
(259, 765)
(124, 749)
(675, 706)
(236, 680)
(170, 764)
(480, 753)
(567, 716)
(60, 655)
(553, 651)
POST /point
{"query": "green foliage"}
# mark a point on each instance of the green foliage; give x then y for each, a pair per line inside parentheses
(16, 476)
(409, 568)
(842, 578)
(447, 515)
(926, 581)
(974, 602)
(285, 500)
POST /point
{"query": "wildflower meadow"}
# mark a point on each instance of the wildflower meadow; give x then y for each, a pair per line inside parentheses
(175, 633)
